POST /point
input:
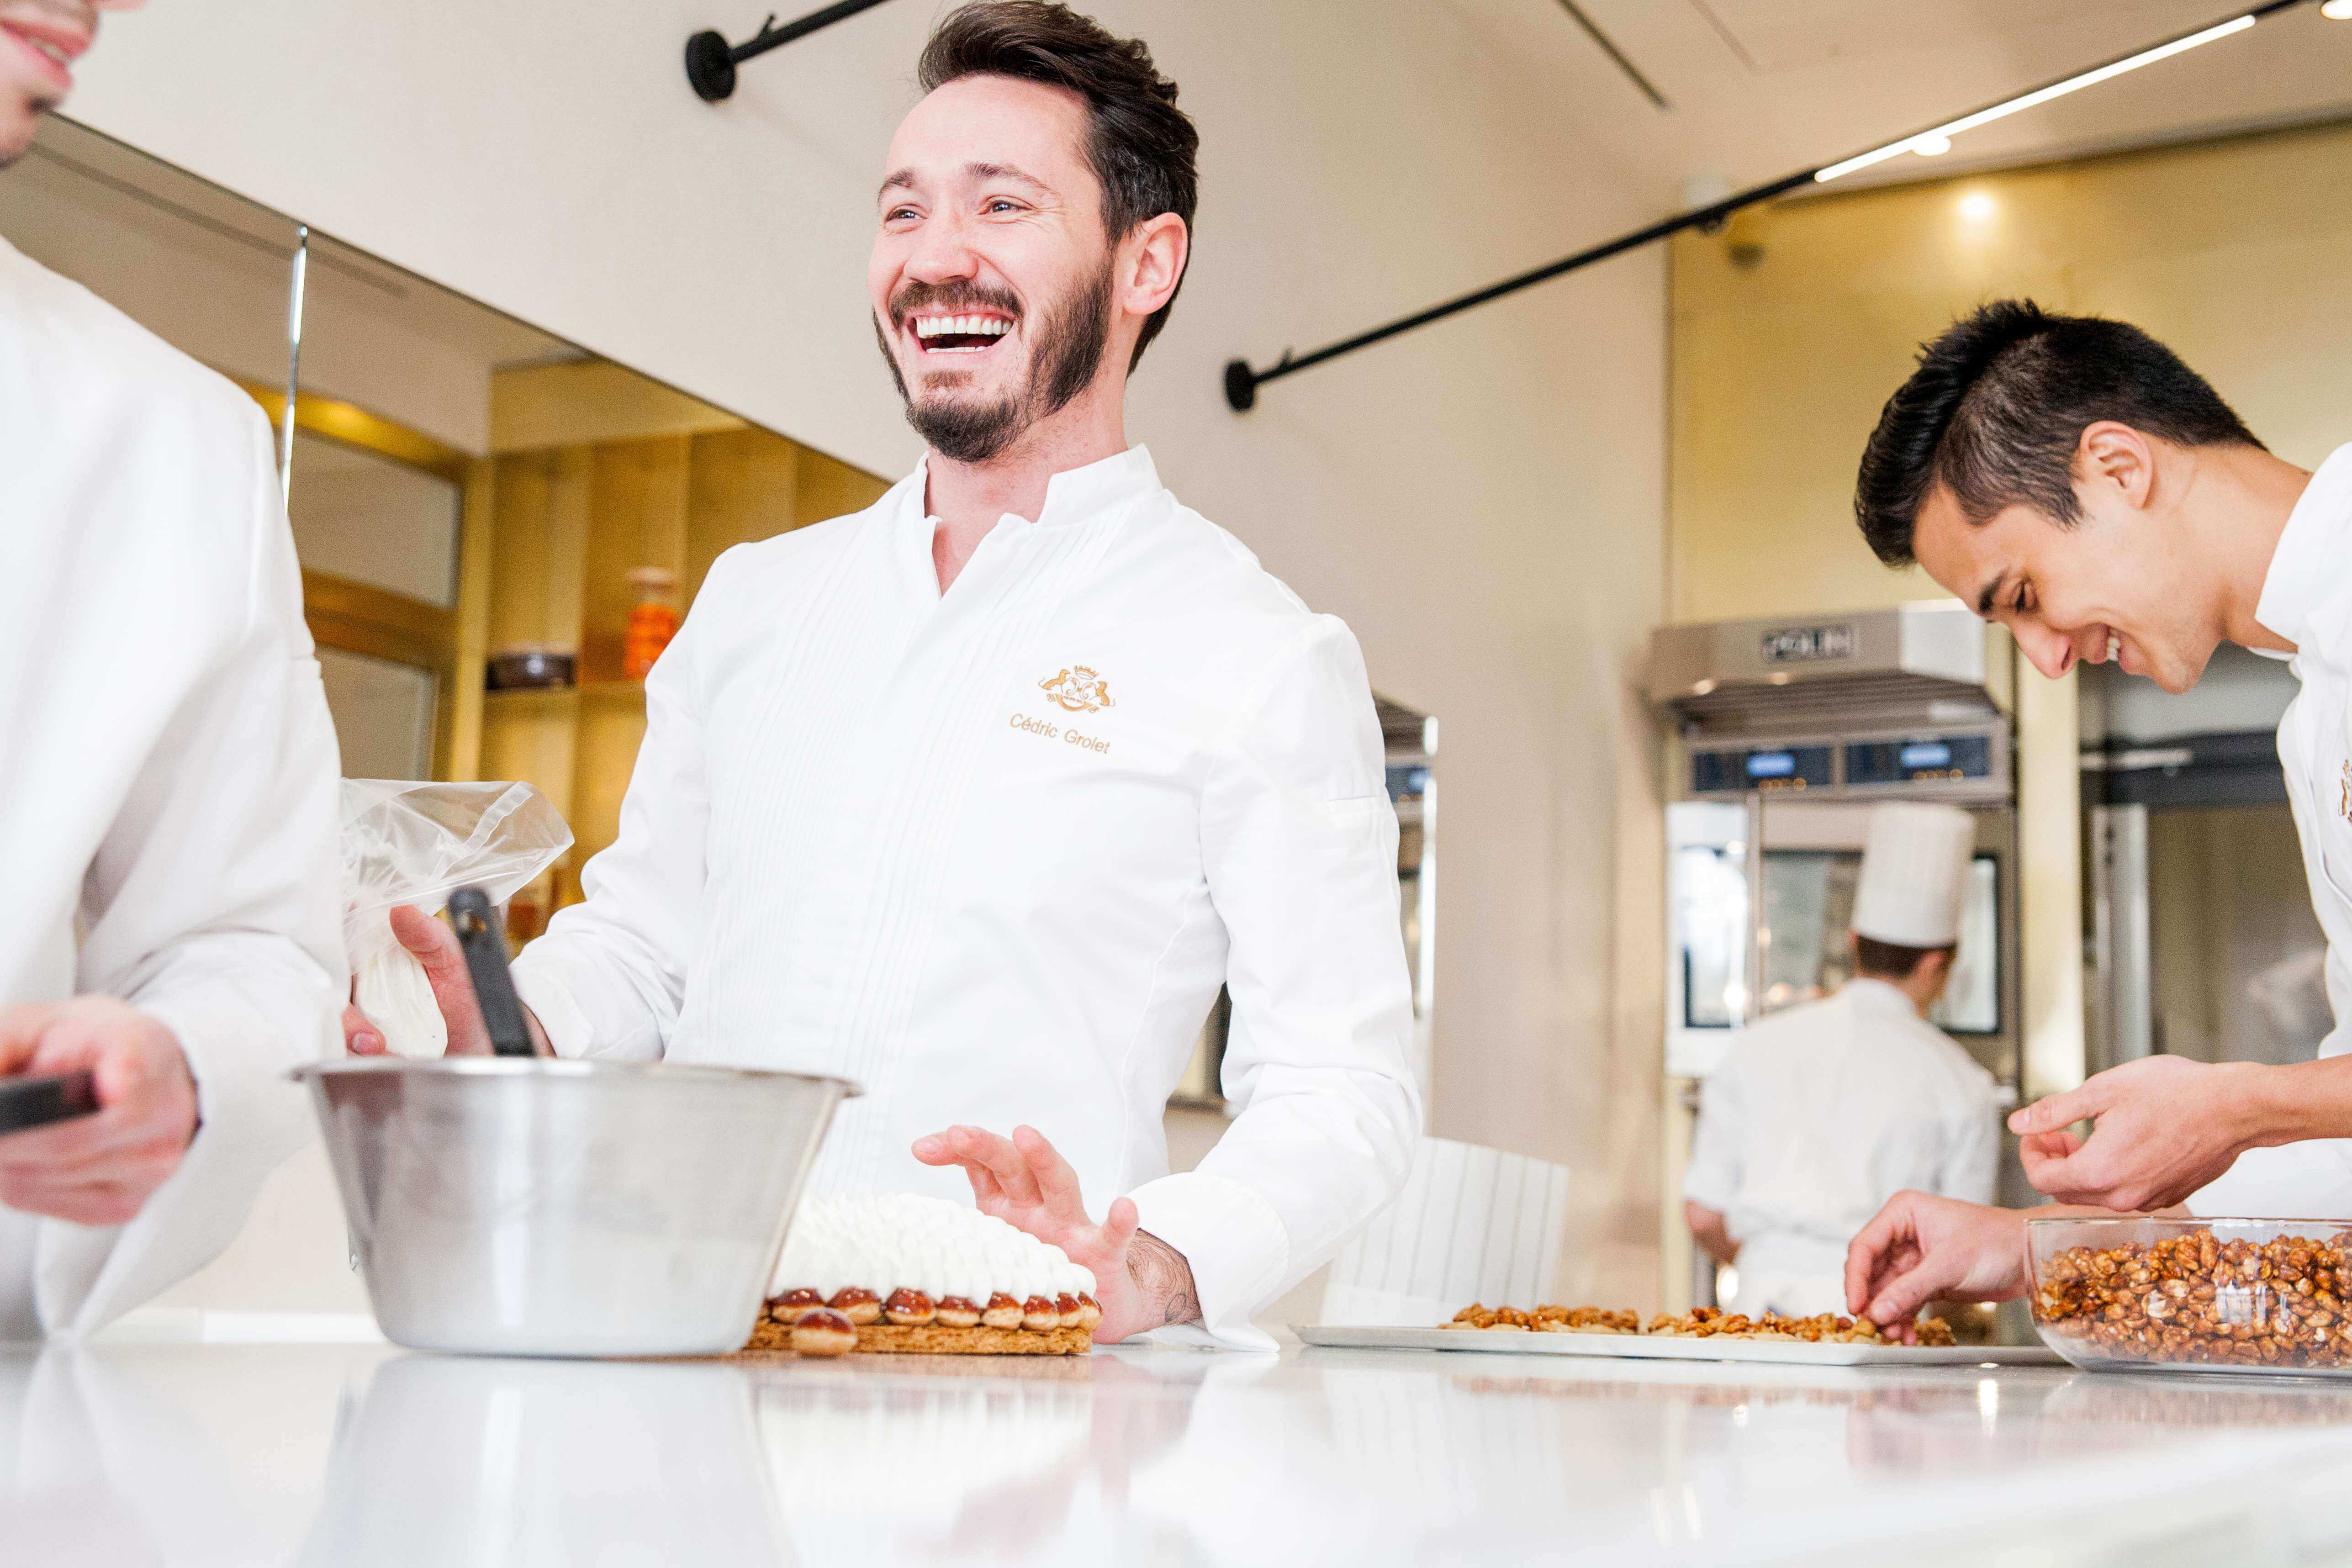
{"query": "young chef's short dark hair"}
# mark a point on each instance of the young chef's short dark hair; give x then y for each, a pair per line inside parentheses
(1143, 149)
(1876, 960)
(2000, 403)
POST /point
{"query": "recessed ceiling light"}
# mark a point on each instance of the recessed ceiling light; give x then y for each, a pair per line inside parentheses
(1936, 146)
(2337, 10)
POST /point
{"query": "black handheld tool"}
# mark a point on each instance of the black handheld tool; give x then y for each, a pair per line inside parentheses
(37, 1101)
(485, 946)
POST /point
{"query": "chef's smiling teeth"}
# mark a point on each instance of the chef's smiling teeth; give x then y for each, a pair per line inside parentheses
(960, 334)
(56, 53)
(2115, 648)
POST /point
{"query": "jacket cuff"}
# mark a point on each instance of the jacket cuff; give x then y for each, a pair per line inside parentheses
(1233, 1242)
(553, 1005)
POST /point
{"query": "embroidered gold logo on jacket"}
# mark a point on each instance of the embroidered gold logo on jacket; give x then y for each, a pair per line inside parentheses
(2344, 803)
(1077, 689)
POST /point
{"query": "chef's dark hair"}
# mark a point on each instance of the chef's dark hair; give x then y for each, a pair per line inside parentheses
(1143, 149)
(1876, 960)
(1998, 404)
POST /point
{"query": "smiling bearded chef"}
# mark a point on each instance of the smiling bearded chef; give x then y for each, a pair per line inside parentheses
(168, 774)
(977, 797)
(2075, 481)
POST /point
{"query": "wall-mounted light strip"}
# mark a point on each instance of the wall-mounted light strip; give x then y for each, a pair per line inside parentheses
(1242, 380)
(1938, 138)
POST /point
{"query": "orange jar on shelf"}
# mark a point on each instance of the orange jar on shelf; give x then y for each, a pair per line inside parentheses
(653, 621)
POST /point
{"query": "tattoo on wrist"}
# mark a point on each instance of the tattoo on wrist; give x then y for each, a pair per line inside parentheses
(1163, 1278)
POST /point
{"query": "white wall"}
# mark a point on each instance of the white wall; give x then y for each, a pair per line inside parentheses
(1482, 500)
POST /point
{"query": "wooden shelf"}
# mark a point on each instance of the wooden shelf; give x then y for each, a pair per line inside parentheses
(592, 691)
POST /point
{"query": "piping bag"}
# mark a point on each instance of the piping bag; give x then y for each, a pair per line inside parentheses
(415, 844)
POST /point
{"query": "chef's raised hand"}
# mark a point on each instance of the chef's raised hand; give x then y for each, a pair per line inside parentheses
(101, 1168)
(434, 948)
(2164, 1126)
(1141, 1282)
(1921, 1247)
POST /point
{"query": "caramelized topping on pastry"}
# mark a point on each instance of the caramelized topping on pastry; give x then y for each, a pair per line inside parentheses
(856, 1304)
(909, 1309)
(823, 1332)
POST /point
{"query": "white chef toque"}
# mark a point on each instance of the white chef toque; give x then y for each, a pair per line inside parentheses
(1914, 874)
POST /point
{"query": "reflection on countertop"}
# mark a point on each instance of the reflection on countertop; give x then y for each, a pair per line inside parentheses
(358, 1456)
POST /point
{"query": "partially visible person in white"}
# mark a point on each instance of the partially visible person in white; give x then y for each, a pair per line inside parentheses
(167, 779)
(1821, 1112)
(977, 797)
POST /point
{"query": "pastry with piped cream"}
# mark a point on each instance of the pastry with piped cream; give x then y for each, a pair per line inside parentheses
(921, 1275)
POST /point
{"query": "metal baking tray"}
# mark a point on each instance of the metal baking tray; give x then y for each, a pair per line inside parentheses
(1676, 1347)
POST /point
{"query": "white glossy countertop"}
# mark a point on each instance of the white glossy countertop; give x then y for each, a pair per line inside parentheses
(357, 1455)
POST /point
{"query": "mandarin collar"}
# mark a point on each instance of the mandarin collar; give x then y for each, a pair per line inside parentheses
(2312, 562)
(1073, 496)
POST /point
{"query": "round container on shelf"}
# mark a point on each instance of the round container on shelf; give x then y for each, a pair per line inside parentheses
(2196, 1296)
(529, 668)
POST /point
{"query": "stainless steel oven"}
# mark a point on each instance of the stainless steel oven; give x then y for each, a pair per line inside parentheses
(1786, 732)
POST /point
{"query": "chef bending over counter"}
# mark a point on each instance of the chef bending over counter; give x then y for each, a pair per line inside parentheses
(172, 926)
(2074, 480)
(976, 797)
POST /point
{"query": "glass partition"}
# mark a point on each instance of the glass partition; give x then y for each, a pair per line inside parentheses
(204, 270)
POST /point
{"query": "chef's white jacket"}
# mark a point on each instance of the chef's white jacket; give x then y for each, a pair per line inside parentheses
(167, 767)
(1818, 1114)
(2307, 599)
(991, 854)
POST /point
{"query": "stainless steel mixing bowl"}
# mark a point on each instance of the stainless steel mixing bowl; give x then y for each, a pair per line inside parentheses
(516, 1205)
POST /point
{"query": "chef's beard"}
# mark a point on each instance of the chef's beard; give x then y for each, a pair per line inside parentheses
(1067, 350)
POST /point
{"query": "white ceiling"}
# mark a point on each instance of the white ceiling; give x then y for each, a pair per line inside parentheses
(1758, 89)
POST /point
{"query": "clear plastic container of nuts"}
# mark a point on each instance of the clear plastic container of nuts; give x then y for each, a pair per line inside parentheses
(2199, 1295)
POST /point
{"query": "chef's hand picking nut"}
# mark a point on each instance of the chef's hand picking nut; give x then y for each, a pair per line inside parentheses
(98, 1169)
(1921, 1248)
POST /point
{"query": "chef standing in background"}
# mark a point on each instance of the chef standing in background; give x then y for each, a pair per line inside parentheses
(1821, 1112)
(167, 780)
